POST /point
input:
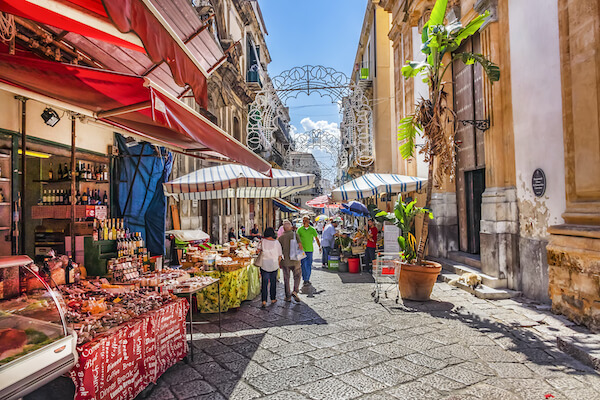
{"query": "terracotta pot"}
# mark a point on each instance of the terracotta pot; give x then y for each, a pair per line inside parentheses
(416, 281)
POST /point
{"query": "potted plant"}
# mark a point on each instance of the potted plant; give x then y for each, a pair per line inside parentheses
(415, 281)
(433, 118)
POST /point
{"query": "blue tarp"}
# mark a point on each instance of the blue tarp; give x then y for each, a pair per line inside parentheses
(139, 197)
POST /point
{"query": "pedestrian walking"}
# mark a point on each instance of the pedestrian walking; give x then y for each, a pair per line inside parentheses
(271, 254)
(371, 245)
(307, 234)
(328, 239)
(288, 265)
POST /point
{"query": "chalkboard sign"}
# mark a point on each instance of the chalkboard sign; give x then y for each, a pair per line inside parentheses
(538, 182)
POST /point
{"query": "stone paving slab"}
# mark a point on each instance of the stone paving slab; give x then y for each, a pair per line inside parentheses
(339, 344)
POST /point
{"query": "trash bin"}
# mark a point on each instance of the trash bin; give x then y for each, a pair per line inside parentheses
(343, 265)
(333, 263)
(354, 265)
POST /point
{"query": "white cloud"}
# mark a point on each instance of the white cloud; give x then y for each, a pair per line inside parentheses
(309, 125)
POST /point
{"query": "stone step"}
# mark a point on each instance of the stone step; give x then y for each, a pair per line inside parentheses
(471, 260)
(585, 348)
(460, 268)
(482, 291)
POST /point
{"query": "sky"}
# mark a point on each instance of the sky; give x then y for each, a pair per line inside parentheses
(313, 32)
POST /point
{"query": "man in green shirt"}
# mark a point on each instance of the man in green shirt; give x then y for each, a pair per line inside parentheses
(307, 234)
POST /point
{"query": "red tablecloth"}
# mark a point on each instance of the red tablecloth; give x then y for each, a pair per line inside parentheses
(120, 365)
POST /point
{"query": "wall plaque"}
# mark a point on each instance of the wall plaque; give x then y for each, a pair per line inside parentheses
(538, 182)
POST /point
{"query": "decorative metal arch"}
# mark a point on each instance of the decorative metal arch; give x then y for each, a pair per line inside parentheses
(267, 113)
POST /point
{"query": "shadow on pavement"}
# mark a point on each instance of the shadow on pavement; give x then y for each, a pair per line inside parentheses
(514, 337)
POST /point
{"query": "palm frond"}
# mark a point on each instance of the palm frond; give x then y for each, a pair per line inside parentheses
(491, 70)
(407, 132)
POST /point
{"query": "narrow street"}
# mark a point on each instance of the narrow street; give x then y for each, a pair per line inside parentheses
(340, 344)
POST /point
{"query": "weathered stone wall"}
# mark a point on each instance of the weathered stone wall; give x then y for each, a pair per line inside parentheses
(574, 274)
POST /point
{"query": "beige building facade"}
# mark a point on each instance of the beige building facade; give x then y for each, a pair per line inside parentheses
(539, 119)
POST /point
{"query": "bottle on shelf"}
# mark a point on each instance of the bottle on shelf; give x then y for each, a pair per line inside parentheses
(67, 172)
(95, 231)
(60, 172)
(1, 196)
(105, 199)
(45, 197)
(105, 230)
(114, 229)
(105, 172)
(50, 173)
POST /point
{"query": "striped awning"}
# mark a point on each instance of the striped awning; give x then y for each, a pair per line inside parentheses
(231, 180)
(374, 184)
(286, 206)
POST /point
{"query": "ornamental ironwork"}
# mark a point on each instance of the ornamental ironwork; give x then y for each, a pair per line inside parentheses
(268, 113)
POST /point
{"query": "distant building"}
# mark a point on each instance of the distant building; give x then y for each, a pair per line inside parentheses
(306, 162)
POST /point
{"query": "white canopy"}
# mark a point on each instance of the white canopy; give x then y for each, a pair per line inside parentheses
(373, 184)
(237, 181)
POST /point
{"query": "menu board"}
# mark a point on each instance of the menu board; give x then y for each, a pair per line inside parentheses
(390, 238)
(120, 365)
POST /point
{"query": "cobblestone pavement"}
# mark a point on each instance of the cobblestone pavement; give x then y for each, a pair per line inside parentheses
(339, 344)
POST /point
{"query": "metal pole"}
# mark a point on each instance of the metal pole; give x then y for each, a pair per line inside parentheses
(235, 213)
(73, 186)
(23, 174)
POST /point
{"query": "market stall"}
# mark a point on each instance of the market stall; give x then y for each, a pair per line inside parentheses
(370, 185)
(232, 265)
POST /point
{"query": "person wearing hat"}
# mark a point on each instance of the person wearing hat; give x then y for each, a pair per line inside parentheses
(328, 239)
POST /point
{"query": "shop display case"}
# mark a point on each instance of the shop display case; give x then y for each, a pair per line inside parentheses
(36, 345)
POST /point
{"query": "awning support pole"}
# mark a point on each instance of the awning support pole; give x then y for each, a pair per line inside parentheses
(124, 110)
(23, 101)
(73, 186)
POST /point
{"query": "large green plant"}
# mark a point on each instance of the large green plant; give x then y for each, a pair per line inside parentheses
(404, 218)
(433, 118)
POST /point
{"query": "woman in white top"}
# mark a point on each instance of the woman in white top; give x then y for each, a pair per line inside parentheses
(271, 257)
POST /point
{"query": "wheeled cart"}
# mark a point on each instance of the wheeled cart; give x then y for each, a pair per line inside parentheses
(386, 272)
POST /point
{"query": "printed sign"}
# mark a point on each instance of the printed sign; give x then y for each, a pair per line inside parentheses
(390, 238)
(538, 182)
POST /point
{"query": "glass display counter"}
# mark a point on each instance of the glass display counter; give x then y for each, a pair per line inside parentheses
(36, 345)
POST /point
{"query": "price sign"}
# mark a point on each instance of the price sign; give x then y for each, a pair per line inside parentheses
(101, 212)
(538, 182)
(90, 211)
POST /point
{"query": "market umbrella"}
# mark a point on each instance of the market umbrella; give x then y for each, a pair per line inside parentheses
(322, 217)
(357, 208)
(352, 213)
(233, 180)
(237, 181)
(322, 202)
(374, 184)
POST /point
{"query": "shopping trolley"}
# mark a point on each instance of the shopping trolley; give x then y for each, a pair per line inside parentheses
(386, 271)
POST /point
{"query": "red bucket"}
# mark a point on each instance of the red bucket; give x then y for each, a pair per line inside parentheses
(354, 265)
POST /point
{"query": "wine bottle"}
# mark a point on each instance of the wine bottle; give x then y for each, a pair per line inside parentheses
(50, 173)
(60, 171)
(95, 231)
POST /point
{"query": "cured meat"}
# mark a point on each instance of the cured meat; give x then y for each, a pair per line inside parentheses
(12, 341)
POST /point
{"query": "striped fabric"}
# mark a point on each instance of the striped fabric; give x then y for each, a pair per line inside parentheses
(286, 206)
(223, 181)
(374, 184)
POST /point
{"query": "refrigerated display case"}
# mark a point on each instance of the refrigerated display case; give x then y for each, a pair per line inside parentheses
(36, 345)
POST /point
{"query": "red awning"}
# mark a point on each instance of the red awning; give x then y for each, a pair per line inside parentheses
(127, 101)
(90, 18)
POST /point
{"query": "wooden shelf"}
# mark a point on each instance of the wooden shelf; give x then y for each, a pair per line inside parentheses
(4, 179)
(4, 228)
(4, 204)
(4, 155)
(69, 181)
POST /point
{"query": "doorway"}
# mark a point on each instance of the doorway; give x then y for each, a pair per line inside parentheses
(474, 188)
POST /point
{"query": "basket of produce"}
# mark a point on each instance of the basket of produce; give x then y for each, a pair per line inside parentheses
(229, 267)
